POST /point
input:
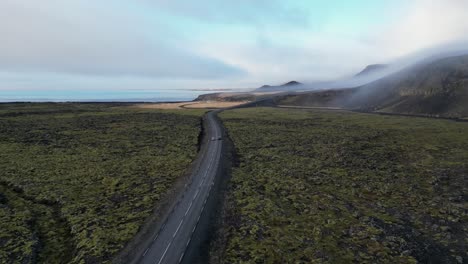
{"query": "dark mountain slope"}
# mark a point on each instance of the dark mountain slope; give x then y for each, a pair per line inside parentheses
(289, 86)
(372, 69)
(328, 98)
(439, 88)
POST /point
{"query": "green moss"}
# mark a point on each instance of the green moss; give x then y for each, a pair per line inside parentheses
(88, 175)
(341, 187)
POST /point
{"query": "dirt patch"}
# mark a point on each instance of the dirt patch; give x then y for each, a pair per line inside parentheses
(213, 104)
(191, 105)
(177, 105)
(224, 95)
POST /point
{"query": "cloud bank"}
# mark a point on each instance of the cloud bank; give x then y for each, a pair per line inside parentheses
(161, 44)
(89, 38)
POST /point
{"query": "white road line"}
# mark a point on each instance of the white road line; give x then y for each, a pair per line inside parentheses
(156, 237)
(164, 254)
(196, 194)
(181, 257)
(177, 230)
(193, 230)
(146, 251)
(209, 167)
(188, 209)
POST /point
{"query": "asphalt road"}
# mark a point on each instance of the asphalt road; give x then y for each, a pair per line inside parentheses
(172, 240)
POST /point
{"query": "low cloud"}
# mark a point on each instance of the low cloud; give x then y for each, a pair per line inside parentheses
(425, 24)
(415, 29)
(89, 38)
(211, 44)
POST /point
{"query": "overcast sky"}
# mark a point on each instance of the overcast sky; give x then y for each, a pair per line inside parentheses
(171, 44)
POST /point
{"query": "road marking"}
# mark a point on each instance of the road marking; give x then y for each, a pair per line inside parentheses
(164, 254)
(146, 251)
(181, 257)
(156, 237)
(193, 230)
(188, 209)
(196, 194)
(181, 221)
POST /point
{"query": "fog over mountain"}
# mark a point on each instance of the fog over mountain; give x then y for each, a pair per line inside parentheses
(436, 87)
(375, 72)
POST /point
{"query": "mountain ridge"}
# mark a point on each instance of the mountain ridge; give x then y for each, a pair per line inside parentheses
(372, 68)
(286, 86)
(438, 88)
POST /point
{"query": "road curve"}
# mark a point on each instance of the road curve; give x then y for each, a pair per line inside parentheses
(170, 242)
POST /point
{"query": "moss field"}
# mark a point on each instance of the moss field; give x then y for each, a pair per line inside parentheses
(78, 180)
(314, 186)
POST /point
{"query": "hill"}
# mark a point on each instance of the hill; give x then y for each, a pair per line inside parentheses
(438, 88)
(373, 68)
(328, 98)
(289, 86)
(370, 73)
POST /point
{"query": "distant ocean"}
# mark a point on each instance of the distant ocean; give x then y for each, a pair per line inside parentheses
(101, 95)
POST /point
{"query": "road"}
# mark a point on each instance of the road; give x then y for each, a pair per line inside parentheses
(173, 238)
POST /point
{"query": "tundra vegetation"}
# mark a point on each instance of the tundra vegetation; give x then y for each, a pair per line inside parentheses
(315, 186)
(78, 180)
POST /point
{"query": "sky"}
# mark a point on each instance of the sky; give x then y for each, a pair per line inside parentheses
(154, 48)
